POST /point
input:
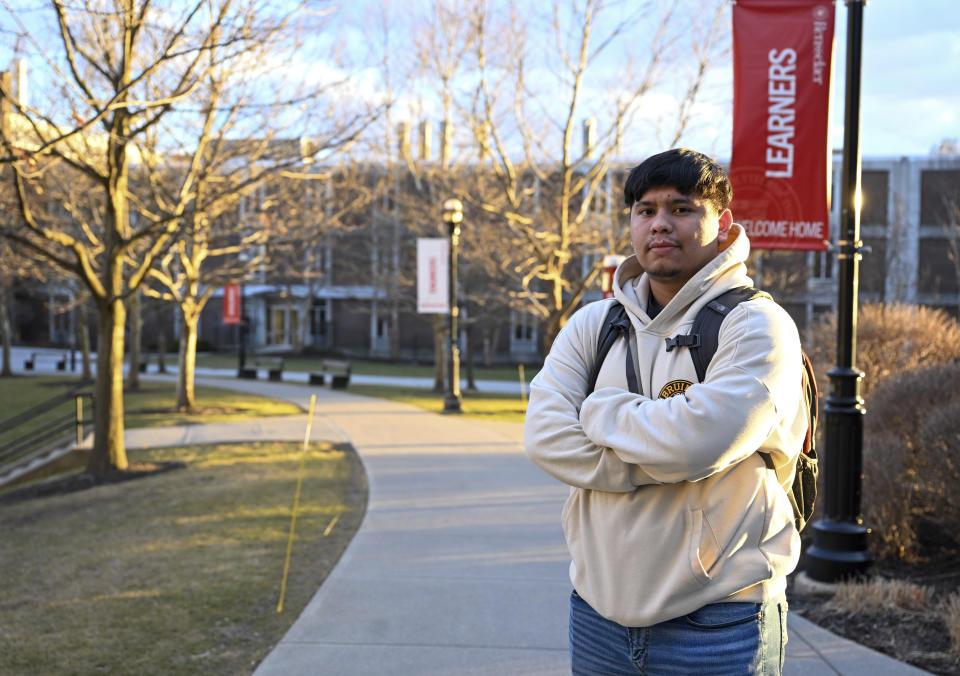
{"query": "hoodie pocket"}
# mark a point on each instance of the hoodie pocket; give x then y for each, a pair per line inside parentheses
(570, 526)
(705, 549)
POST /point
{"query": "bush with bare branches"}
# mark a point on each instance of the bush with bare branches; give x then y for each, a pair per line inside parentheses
(911, 461)
(890, 339)
(910, 356)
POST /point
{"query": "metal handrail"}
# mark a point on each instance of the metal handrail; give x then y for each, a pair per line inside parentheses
(56, 433)
(41, 408)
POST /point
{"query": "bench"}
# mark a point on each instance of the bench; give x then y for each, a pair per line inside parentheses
(273, 365)
(31, 363)
(338, 372)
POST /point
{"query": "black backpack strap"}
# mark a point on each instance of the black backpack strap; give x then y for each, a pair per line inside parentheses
(703, 341)
(704, 336)
(615, 324)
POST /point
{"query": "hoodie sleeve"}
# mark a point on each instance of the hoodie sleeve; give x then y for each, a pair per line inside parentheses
(553, 436)
(751, 386)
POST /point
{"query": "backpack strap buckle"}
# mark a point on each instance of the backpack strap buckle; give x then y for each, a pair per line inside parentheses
(684, 340)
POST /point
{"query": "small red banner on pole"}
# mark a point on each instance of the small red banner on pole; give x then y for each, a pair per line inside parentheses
(231, 303)
(780, 165)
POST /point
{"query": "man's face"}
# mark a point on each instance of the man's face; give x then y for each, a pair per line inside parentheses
(674, 235)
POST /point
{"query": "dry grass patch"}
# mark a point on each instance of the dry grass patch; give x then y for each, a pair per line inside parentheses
(950, 610)
(178, 573)
(879, 595)
(910, 621)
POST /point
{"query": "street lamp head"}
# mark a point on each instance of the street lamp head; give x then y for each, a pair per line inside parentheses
(452, 211)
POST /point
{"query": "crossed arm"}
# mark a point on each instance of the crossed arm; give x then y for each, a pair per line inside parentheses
(614, 440)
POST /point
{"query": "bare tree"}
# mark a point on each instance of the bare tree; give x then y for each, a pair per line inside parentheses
(524, 101)
(241, 193)
(122, 69)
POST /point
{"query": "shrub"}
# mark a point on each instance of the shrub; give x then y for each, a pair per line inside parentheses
(890, 339)
(950, 611)
(911, 462)
(908, 355)
(878, 595)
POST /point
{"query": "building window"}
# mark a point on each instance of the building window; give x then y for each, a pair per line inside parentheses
(822, 264)
(938, 272)
(939, 196)
(524, 333)
(875, 190)
(873, 268)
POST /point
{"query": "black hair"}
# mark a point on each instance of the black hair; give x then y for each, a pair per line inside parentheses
(689, 171)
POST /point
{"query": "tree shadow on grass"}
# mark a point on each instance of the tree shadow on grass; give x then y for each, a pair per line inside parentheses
(80, 481)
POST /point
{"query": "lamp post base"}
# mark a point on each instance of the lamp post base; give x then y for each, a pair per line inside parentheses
(839, 551)
(451, 404)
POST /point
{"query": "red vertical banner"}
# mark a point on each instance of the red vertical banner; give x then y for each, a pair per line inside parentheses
(231, 304)
(780, 164)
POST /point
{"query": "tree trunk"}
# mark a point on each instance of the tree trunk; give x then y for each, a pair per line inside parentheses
(136, 334)
(5, 327)
(471, 383)
(551, 329)
(162, 348)
(394, 329)
(187, 362)
(306, 321)
(109, 451)
(83, 330)
(490, 339)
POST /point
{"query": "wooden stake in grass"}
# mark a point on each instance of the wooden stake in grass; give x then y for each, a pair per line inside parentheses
(333, 522)
(296, 502)
(523, 385)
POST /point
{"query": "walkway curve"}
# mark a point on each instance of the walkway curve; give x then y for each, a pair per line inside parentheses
(459, 566)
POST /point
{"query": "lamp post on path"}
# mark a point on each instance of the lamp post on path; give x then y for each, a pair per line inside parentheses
(839, 547)
(452, 216)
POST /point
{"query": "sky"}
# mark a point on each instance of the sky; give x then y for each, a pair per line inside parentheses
(910, 82)
(910, 96)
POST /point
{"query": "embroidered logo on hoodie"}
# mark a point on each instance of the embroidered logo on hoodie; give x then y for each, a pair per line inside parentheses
(674, 387)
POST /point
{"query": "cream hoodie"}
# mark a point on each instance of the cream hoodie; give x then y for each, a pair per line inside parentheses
(670, 506)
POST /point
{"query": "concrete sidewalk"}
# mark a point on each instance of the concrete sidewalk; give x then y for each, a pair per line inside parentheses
(460, 565)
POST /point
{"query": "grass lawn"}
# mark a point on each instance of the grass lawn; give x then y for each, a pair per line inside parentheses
(487, 405)
(151, 405)
(179, 572)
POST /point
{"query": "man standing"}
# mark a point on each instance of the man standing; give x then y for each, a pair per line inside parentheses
(681, 537)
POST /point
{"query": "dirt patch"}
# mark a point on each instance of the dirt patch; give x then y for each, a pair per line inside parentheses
(72, 483)
(917, 637)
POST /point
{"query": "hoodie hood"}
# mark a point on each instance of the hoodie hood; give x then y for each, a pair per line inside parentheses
(727, 270)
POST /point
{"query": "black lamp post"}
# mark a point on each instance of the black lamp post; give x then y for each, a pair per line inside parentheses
(839, 548)
(452, 216)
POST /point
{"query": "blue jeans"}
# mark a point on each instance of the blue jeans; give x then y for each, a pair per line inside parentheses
(722, 638)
